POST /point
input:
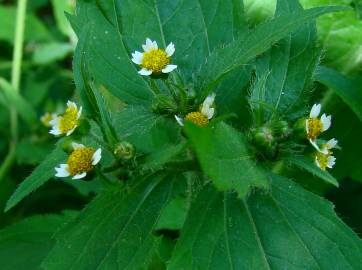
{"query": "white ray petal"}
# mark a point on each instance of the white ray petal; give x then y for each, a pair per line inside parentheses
(170, 49)
(62, 170)
(79, 176)
(77, 145)
(71, 131)
(150, 45)
(137, 57)
(145, 72)
(97, 156)
(79, 112)
(71, 104)
(316, 109)
(331, 162)
(326, 122)
(179, 120)
(169, 68)
(331, 143)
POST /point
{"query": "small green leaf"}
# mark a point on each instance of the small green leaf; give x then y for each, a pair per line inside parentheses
(240, 52)
(13, 98)
(284, 73)
(50, 52)
(224, 157)
(286, 228)
(25, 244)
(348, 89)
(309, 166)
(39, 177)
(114, 231)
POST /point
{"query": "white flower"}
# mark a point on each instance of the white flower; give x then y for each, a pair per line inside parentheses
(68, 122)
(315, 126)
(81, 161)
(201, 117)
(154, 60)
(324, 157)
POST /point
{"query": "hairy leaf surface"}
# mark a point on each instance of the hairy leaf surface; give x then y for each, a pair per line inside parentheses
(286, 228)
(114, 231)
(225, 158)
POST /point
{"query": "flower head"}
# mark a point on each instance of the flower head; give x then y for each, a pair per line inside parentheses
(81, 161)
(47, 118)
(68, 122)
(324, 157)
(201, 117)
(315, 126)
(154, 60)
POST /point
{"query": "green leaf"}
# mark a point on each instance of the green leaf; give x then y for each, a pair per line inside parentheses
(287, 228)
(13, 98)
(59, 8)
(114, 231)
(309, 166)
(240, 52)
(224, 157)
(50, 52)
(284, 73)
(103, 51)
(347, 88)
(194, 26)
(158, 158)
(37, 178)
(25, 244)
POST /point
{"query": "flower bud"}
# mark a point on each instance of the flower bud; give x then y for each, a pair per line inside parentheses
(124, 150)
(282, 130)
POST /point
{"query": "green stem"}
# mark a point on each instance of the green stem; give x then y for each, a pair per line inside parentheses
(15, 82)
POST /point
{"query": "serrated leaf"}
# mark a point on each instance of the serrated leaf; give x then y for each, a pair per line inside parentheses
(224, 157)
(13, 98)
(240, 52)
(347, 88)
(192, 25)
(286, 228)
(284, 73)
(158, 158)
(25, 244)
(114, 231)
(309, 166)
(37, 178)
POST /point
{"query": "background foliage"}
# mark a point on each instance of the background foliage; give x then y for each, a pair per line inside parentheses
(192, 198)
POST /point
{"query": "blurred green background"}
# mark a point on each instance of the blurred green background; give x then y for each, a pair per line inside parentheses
(47, 83)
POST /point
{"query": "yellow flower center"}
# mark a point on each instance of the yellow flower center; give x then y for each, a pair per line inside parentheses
(323, 159)
(68, 120)
(155, 60)
(80, 160)
(315, 128)
(46, 118)
(197, 118)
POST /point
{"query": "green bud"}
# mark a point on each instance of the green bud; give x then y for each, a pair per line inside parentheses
(282, 130)
(263, 136)
(299, 129)
(124, 150)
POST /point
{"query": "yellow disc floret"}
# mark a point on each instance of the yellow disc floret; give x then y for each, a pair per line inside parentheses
(323, 159)
(80, 160)
(155, 60)
(315, 127)
(197, 118)
(68, 120)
